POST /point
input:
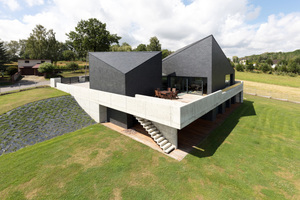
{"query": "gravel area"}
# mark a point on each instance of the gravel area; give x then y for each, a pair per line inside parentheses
(39, 121)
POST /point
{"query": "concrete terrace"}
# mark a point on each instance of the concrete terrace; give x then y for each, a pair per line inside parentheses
(182, 97)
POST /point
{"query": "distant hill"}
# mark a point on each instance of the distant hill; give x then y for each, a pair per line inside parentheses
(273, 56)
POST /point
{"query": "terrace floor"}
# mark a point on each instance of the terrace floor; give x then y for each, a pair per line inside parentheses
(188, 138)
(182, 97)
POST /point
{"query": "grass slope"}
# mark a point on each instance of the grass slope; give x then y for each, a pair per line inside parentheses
(39, 121)
(253, 154)
(14, 100)
(269, 78)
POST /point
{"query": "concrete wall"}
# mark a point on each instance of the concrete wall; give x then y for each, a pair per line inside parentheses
(168, 132)
(169, 113)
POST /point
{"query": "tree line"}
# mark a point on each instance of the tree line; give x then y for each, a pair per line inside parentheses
(89, 36)
(278, 63)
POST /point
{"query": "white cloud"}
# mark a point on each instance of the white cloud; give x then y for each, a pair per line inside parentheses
(13, 5)
(34, 2)
(175, 24)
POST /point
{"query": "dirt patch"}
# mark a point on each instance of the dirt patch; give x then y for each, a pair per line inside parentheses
(117, 194)
(274, 91)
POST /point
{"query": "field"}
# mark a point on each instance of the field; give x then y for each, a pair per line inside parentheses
(254, 154)
(269, 79)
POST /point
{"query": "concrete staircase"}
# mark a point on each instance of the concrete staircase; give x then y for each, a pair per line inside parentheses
(160, 140)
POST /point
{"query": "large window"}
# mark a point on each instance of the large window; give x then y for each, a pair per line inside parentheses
(193, 85)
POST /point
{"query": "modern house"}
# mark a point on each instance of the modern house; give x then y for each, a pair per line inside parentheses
(125, 73)
(122, 84)
(30, 66)
(198, 67)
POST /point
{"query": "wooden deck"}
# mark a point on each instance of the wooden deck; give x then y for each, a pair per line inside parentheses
(188, 138)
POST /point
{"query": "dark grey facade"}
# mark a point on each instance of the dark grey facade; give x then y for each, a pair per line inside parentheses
(204, 59)
(125, 73)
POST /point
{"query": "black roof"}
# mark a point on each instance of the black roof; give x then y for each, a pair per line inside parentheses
(125, 61)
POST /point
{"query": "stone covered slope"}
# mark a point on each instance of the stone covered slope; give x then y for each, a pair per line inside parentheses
(39, 121)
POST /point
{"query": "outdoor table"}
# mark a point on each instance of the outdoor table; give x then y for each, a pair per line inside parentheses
(165, 93)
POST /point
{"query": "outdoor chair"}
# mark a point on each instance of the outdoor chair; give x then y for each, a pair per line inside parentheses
(175, 94)
(156, 93)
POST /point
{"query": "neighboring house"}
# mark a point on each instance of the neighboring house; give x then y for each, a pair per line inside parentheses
(275, 62)
(30, 66)
(122, 87)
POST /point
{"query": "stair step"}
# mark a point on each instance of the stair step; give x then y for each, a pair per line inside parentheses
(159, 139)
(146, 123)
(153, 133)
(166, 146)
(148, 127)
(157, 136)
(162, 143)
(152, 129)
(171, 148)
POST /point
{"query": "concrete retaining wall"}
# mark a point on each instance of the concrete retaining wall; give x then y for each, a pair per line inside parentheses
(169, 113)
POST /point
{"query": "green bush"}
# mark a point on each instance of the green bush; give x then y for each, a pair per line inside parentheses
(265, 68)
(11, 70)
(239, 68)
(73, 66)
(47, 68)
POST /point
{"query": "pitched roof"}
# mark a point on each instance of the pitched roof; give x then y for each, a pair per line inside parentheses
(186, 47)
(125, 61)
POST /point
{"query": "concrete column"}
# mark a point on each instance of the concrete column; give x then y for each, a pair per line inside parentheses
(228, 103)
(233, 100)
(102, 114)
(221, 108)
(239, 97)
(168, 132)
(211, 115)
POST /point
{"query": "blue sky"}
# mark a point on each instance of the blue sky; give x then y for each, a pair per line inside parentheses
(241, 27)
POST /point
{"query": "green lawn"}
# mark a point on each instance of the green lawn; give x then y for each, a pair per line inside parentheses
(269, 78)
(14, 100)
(254, 154)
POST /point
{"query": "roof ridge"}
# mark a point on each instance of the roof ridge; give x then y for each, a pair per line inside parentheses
(186, 47)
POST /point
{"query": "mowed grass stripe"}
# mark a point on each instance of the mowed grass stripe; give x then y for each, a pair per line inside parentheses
(14, 100)
(241, 159)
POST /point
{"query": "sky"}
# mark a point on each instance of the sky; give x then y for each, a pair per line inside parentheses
(241, 27)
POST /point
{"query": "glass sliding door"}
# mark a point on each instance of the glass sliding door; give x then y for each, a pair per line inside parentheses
(193, 85)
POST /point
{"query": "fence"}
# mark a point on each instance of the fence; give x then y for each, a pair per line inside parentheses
(77, 79)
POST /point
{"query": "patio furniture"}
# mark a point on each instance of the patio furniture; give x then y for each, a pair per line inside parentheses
(175, 94)
(166, 94)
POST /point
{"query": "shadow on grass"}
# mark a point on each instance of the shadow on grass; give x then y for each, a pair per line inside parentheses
(215, 139)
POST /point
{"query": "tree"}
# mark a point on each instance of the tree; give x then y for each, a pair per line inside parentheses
(91, 35)
(239, 68)
(69, 55)
(46, 68)
(269, 61)
(154, 44)
(13, 49)
(73, 66)
(165, 53)
(124, 47)
(265, 67)
(11, 70)
(141, 47)
(42, 44)
(235, 59)
(3, 56)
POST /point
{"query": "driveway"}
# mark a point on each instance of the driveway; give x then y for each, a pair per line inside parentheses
(26, 82)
